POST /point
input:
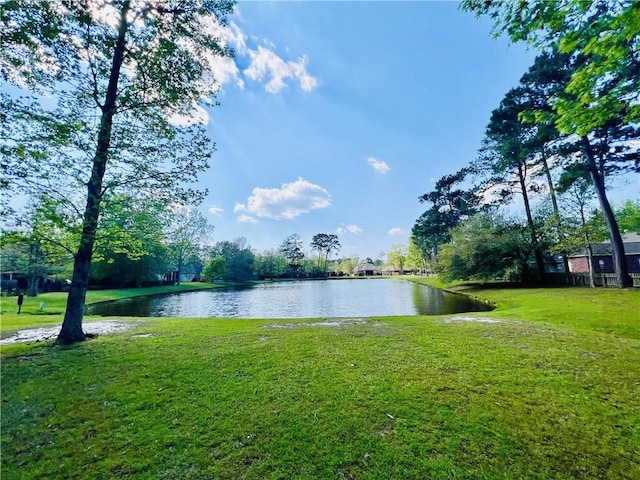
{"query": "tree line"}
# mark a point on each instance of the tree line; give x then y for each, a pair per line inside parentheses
(562, 134)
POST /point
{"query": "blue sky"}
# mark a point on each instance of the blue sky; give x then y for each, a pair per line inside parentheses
(336, 116)
(382, 99)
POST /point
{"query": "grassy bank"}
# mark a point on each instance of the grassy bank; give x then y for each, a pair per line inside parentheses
(607, 310)
(536, 396)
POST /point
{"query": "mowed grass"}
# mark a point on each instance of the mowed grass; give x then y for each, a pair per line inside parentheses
(536, 396)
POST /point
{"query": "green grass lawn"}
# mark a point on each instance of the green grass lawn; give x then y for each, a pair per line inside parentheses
(551, 392)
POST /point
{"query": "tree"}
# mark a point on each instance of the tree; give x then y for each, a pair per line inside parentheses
(35, 247)
(324, 244)
(187, 232)
(118, 72)
(291, 250)
(449, 205)
(628, 215)
(215, 268)
(130, 247)
(577, 231)
(348, 265)
(398, 255)
(238, 259)
(415, 258)
(270, 264)
(487, 246)
(602, 92)
(505, 156)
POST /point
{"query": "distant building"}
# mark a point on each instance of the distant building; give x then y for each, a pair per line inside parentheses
(367, 270)
(602, 257)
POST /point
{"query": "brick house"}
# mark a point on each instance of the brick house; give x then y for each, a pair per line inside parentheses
(602, 258)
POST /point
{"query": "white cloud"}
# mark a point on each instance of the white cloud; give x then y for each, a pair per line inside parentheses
(216, 210)
(267, 64)
(356, 230)
(396, 231)
(378, 165)
(246, 219)
(287, 202)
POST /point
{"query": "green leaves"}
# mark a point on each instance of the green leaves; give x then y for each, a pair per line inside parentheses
(602, 35)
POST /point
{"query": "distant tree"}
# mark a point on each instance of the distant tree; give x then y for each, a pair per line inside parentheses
(215, 268)
(349, 264)
(291, 250)
(188, 230)
(397, 255)
(270, 264)
(505, 160)
(449, 205)
(240, 267)
(325, 245)
(415, 258)
(238, 257)
(487, 246)
(130, 247)
(31, 257)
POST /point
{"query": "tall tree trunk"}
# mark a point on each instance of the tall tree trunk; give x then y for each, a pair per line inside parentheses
(554, 202)
(619, 258)
(532, 228)
(592, 282)
(71, 331)
(179, 268)
(552, 189)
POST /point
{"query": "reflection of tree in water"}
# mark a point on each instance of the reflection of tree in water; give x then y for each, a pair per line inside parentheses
(430, 301)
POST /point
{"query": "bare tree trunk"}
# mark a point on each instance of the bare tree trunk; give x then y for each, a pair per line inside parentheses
(71, 331)
(554, 203)
(619, 258)
(532, 228)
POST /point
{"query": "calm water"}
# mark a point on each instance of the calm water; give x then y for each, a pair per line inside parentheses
(303, 299)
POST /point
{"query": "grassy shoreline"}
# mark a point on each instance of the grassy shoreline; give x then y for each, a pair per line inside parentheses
(548, 391)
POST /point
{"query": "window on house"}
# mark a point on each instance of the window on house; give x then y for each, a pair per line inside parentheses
(601, 263)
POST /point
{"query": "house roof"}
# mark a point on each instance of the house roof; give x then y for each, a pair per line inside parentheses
(366, 267)
(631, 243)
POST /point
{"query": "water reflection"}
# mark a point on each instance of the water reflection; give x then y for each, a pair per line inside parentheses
(301, 299)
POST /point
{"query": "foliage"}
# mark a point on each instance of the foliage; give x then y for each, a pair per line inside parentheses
(628, 215)
(270, 264)
(580, 226)
(599, 103)
(113, 90)
(416, 259)
(325, 244)
(449, 205)
(187, 232)
(397, 255)
(291, 250)
(485, 247)
(603, 35)
(238, 258)
(214, 269)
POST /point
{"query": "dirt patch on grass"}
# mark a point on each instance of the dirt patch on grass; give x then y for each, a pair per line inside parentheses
(338, 322)
(464, 318)
(48, 333)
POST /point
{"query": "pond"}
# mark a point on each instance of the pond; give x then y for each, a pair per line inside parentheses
(298, 299)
